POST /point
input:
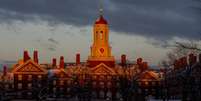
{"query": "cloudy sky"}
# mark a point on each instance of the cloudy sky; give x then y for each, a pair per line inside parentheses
(138, 28)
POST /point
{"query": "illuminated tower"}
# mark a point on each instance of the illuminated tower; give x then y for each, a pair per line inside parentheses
(100, 49)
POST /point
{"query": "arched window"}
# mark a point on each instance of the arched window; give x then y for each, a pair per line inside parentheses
(101, 35)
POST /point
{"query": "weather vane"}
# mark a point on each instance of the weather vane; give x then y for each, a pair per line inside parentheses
(101, 7)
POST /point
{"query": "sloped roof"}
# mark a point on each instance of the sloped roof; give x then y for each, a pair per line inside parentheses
(147, 76)
(103, 69)
(29, 67)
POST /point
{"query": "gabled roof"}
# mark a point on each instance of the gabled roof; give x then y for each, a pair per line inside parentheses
(103, 69)
(59, 72)
(147, 76)
(29, 67)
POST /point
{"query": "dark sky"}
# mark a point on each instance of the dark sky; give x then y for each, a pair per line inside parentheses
(159, 19)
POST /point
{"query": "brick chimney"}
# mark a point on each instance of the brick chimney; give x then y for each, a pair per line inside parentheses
(77, 59)
(192, 59)
(61, 65)
(180, 63)
(184, 61)
(144, 66)
(175, 64)
(26, 56)
(35, 56)
(123, 59)
(54, 62)
(200, 57)
(4, 70)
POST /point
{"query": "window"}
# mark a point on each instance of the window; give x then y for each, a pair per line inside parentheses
(54, 89)
(139, 83)
(94, 84)
(146, 83)
(62, 75)
(39, 85)
(29, 77)
(101, 36)
(61, 82)
(6, 86)
(153, 83)
(19, 77)
(54, 82)
(109, 77)
(29, 85)
(19, 85)
(94, 77)
(39, 77)
(69, 82)
(109, 84)
(102, 84)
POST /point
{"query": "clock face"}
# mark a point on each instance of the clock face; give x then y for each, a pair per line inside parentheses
(101, 50)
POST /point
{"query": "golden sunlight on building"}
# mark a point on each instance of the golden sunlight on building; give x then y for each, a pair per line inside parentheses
(101, 71)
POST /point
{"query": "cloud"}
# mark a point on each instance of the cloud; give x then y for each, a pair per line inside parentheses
(53, 41)
(51, 44)
(150, 18)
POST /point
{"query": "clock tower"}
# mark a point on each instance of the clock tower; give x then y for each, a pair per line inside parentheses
(100, 49)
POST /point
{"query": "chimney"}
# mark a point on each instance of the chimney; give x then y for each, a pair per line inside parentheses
(123, 59)
(144, 66)
(200, 57)
(54, 62)
(35, 56)
(4, 70)
(176, 64)
(26, 56)
(77, 59)
(61, 65)
(192, 59)
(139, 61)
(180, 63)
(184, 61)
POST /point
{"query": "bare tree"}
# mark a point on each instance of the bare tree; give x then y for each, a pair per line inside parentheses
(180, 49)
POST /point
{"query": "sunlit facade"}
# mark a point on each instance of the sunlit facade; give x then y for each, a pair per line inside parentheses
(101, 72)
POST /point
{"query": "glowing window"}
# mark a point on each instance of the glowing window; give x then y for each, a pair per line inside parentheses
(29, 85)
(19, 77)
(29, 77)
(19, 85)
(146, 83)
(39, 76)
(101, 36)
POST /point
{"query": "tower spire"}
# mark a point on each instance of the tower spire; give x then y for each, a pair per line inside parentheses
(101, 8)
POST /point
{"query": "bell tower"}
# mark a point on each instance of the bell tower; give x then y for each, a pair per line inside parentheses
(100, 49)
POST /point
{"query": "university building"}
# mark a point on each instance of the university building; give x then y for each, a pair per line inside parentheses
(100, 73)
